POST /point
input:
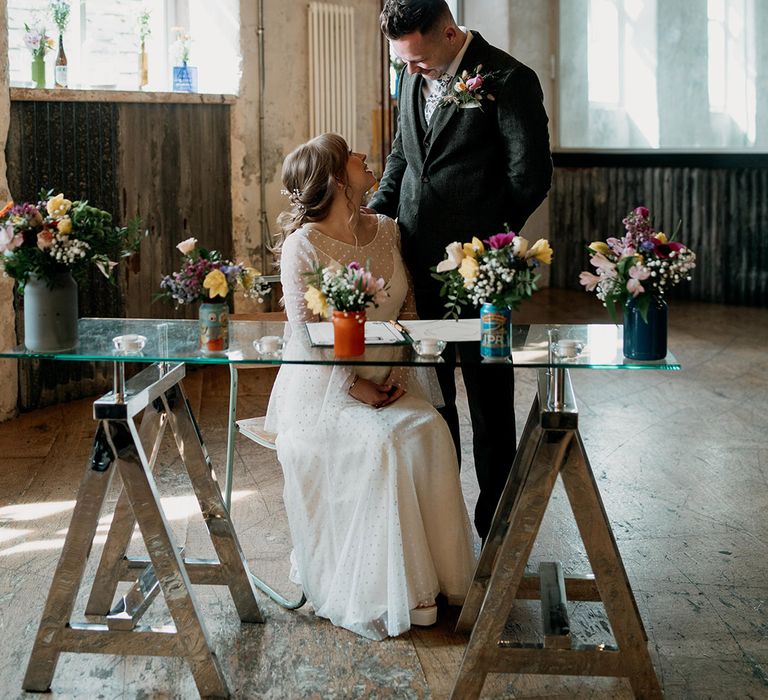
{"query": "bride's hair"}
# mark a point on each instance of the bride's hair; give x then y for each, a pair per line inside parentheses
(311, 174)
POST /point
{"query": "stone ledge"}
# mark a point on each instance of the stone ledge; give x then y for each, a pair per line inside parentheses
(20, 94)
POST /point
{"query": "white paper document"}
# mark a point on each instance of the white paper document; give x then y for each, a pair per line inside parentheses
(461, 331)
(376, 333)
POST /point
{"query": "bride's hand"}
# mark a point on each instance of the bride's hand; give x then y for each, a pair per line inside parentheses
(373, 394)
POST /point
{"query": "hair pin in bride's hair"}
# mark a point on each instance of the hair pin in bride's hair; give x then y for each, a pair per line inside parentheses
(294, 196)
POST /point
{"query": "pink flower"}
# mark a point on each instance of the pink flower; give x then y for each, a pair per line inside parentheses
(602, 263)
(475, 83)
(642, 212)
(636, 274)
(500, 240)
(589, 280)
(9, 240)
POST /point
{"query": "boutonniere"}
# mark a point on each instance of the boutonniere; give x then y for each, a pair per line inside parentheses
(470, 90)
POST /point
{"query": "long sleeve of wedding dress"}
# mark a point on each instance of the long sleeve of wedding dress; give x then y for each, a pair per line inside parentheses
(372, 496)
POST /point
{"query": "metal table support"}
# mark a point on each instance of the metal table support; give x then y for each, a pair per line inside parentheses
(551, 445)
(120, 446)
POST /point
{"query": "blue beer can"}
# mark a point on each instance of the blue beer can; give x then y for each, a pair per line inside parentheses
(495, 332)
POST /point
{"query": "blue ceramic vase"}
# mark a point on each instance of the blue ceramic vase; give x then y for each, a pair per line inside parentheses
(645, 340)
(495, 332)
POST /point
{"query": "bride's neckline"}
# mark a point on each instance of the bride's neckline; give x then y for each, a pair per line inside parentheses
(312, 226)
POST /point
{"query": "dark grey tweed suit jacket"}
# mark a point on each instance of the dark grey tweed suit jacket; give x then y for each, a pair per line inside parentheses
(472, 170)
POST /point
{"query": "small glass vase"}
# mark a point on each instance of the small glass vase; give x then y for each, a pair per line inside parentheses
(50, 313)
(143, 67)
(645, 340)
(348, 333)
(214, 327)
(38, 70)
(495, 333)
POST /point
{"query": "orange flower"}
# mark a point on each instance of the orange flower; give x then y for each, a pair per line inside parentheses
(6, 208)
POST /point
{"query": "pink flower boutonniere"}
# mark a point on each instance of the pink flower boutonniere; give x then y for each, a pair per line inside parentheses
(469, 90)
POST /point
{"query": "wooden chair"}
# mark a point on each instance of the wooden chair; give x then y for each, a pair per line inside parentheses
(253, 429)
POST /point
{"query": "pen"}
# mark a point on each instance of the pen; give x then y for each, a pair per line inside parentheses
(400, 327)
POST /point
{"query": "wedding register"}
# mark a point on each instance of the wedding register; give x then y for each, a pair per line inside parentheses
(376, 333)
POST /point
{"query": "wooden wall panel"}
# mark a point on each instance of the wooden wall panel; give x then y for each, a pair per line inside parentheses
(173, 170)
(168, 163)
(724, 215)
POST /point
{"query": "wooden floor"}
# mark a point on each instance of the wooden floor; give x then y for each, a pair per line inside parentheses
(682, 464)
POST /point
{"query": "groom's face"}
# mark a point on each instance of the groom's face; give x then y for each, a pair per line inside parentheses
(428, 54)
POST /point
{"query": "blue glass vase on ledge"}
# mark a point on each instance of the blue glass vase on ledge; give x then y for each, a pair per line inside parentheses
(184, 78)
(645, 339)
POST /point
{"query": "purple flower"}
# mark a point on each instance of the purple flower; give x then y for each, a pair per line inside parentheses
(354, 265)
(642, 212)
(500, 240)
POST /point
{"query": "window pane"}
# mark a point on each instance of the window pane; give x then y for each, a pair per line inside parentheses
(663, 74)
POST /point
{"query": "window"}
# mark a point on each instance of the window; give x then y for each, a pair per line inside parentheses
(102, 42)
(662, 74)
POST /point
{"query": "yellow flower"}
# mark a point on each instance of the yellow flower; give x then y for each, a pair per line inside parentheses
(599, 247)
(662, 237)
(469, 269)
(249, 275)
(455, 255)
(216, 284)
(541, 251)
(316, 301)
(58, 206)
(472, 250)
(65, 225)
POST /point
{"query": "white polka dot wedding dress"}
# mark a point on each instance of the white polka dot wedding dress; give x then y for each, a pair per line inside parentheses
(373, 496)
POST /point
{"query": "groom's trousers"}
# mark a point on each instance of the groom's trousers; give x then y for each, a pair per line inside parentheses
(491, 399)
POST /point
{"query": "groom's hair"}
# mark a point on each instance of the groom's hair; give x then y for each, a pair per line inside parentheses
(401, 17)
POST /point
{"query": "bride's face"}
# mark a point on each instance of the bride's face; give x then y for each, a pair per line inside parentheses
(359, 175)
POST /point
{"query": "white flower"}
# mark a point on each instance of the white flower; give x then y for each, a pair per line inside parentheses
(519, 246)
(187, 246)
(455, 252)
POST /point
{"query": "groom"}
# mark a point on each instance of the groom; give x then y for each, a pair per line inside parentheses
(455, 173)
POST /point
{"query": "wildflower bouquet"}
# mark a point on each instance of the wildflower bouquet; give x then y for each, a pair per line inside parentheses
(37, 40)
(501, 271)
(55, 236)
(60, 10)
(206, 276)
(350, 288)
(641, 265)
(181, 46)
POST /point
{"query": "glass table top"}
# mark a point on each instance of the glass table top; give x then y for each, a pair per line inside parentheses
(593, 346)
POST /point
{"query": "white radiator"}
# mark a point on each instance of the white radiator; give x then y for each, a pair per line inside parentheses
(332, 79)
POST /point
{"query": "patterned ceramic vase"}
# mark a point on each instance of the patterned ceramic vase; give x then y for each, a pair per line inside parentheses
(214, 327)
(645, 340)
(50, 313)
(495, 332)
(348, 333)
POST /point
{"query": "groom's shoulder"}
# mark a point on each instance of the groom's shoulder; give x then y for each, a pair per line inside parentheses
(498, 60)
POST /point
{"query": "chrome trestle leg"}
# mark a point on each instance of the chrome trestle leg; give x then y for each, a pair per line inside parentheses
(123, 521)
(120, 446)
(551, 445)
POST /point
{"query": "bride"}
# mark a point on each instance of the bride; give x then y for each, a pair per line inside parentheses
(372, 490)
